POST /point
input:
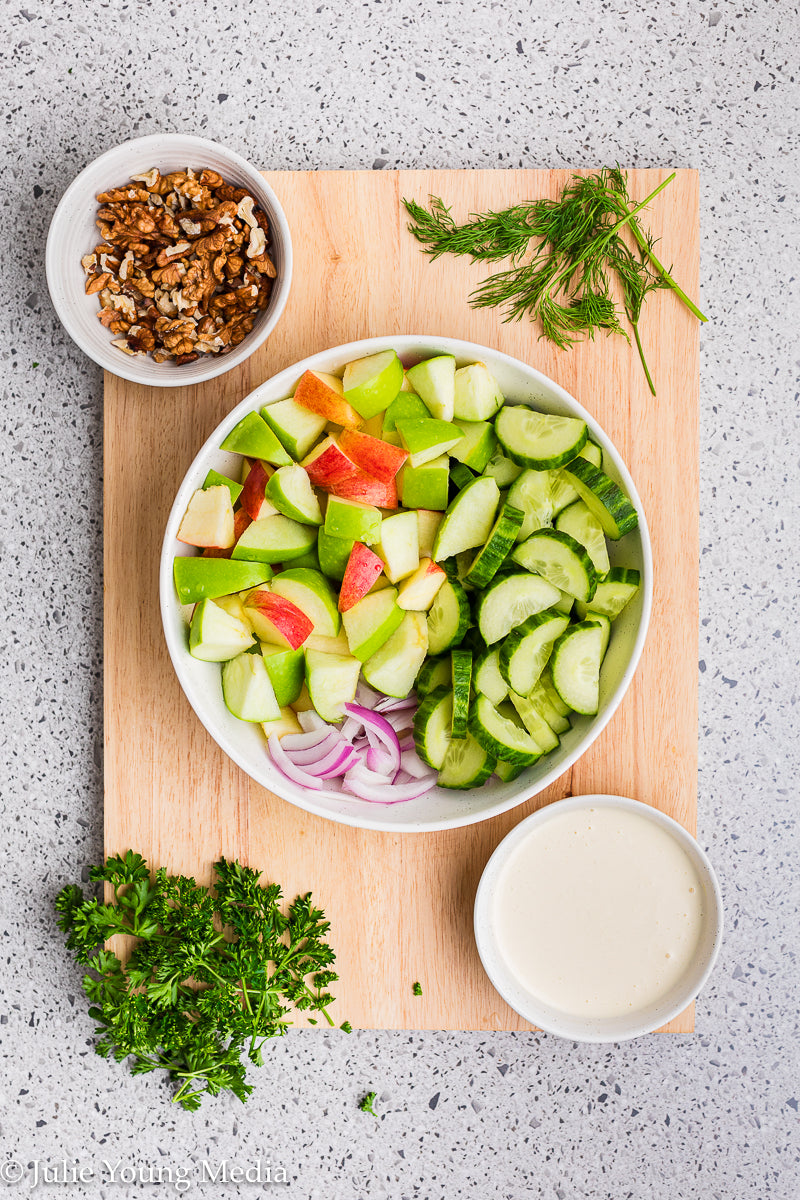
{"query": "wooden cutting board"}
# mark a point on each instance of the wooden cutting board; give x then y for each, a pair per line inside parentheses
(400, 905)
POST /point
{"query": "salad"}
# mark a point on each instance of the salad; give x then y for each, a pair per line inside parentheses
(408, 584)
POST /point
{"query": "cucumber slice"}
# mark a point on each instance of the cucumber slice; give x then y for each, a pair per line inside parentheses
(539, 440)
(461, 661)
(468, 519)
(564, 605)
(247, 689)
(605, 623)
(592, 453)
(546, 683)
(605, 498)
(508, 771)
(432, 722)
(434, 381)
(487, 678)
(331, 680)
(477, 394)
(531, 492)
(448, 617)
(493, 554)
(613, 593)
(561, 560)
(477, 445)
(581, 523)
(313, 595)
(460, 476)
(466, 764)
(502, 469)
(393, 668)
(524, 653)
(216, 635)
(540, 698)
(434, 672)
(290, 490)
(501, 736)
(511, 599)
(575, 664)
(275, 539)
(535, 723)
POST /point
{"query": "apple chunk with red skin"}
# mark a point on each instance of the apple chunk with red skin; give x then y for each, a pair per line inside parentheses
(327, 465)
(253, 498)
(374, 456)
(419, 590)
(240, 523)
(362, 487)
(362, 570)
(324, 394)
(276, 619)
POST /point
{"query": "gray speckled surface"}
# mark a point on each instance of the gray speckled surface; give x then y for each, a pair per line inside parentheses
(685, 82)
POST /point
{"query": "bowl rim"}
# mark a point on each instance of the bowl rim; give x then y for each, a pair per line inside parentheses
(217, 364)
(271, 778)
(487, 946)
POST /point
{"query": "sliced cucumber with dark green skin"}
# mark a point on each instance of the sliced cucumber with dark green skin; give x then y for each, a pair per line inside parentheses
(434, 672)
(562, 493)
(564, 605)
(539, 440)
(460, 476)
(559, 559)
(508, 771)
(558, 722)
(524, 653)
(432, 722)
(501, 538)
(509, 600)
(605, 498)
(613, 593)
(535, 723)
(546, 683)
(449, 617)
(486, 677)
(466, 764)
(531, 492)
(605, 623)
(462, 681)
(501, 736)
(502, 469)
(575, 665)
(579, 521)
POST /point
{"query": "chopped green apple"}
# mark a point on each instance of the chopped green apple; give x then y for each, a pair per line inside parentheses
(287, 722)
(426, 486)
(296, 427)
(331, 680)
(247, 689)
(393, 669)
(399, 545)
(337, 645)
(468, 519)
(253, 437)
(207, 578)
(477, 395)
(214, 479)
(215, 636)
(370, 384)
(405, 406)
(286, 670)
(428, 522)
(434, 380)
(426, 438)
(352, 521)
(275, 539)
(208, 520)
(476, 446)
(313, 595)
(234, 605)
(333, 554)
(371, 622)
(290, 490)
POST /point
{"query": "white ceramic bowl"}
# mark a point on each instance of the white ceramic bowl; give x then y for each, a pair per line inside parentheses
(73, 233)
(615, 1029)
(440, 809)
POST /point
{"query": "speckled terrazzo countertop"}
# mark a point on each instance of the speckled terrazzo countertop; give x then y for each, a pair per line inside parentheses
(689, 83)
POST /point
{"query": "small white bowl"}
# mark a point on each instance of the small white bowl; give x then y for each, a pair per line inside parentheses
(440, 808)
(73, 233)
(607, 1029)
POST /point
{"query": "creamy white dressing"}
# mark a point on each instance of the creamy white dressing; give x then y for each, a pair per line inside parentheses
(598, 912)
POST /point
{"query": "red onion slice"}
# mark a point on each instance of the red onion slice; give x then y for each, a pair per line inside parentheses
(388, 705)
(358, 782)
(380, 726)
(336, 761)
(308, 741)
(287, 767)
(413, 765)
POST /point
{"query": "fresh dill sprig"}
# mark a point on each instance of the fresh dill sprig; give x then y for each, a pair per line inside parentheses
(563, 256)
(365, 1104)
(214, 972)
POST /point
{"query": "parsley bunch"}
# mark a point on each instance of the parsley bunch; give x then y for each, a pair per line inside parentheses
(212, 975)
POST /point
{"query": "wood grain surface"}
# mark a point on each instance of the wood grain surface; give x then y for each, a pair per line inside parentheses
(400, 905)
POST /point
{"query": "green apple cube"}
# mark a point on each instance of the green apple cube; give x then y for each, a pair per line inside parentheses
(428, 522)
(214, 479)
(247, 689)
(435, 382)
(331, 680)
(469, 519)
(352, 520)
(274, 539)
(253, 437)
(313, 595)
(426, 486)
(393, 669)
(207, 578)
(370, 384)
(287, 722)
(399, 545)
(309, 559)
(372, 622)
(476, 446)
(286, 670)
(405, 406)
(426, 438)
(333, 554)
(296, 427)
(215, 635)
(290, 490)
(477, 395)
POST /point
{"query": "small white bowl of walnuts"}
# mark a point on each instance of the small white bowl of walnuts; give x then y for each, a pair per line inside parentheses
(169, 260)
